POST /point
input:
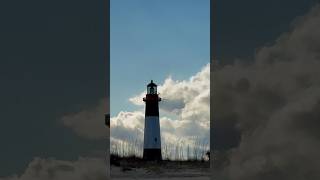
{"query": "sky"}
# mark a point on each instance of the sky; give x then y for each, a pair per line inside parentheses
(168, 42)
(152, 40)
(53, 71)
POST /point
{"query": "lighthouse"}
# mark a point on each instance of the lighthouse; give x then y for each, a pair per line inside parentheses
(152, 138)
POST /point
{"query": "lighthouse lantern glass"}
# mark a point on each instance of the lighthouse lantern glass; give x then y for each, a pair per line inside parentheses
(152, 90)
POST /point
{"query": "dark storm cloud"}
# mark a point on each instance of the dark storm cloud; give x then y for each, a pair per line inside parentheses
(273, 107)
(242, 26)
(88, 123)
(82, 169)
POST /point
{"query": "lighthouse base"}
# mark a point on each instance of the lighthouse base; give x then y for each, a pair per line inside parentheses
(152, 154)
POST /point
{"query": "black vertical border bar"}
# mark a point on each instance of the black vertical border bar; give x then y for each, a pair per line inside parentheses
(213, 6)
(106, 36)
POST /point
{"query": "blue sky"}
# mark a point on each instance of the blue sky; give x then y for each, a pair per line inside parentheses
(152, 39)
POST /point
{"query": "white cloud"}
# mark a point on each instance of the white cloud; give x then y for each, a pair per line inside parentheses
(127, 125)
(189, 100)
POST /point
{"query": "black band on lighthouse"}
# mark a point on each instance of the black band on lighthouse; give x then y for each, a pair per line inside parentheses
(152, 105)
(152, 109)
(152, 154)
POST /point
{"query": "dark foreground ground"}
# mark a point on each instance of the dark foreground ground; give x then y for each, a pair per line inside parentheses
(136, 168)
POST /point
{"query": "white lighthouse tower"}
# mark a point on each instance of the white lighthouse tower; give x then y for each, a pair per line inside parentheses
(152, 138)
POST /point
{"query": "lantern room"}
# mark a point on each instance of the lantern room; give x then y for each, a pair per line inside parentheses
(152, 88)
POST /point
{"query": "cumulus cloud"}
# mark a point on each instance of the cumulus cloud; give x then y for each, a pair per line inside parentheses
(127, 126)
(188, 100)
(273, 106)
(82, 169)
(89, 123)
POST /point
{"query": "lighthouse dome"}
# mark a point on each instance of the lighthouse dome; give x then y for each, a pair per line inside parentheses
(152, 84)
